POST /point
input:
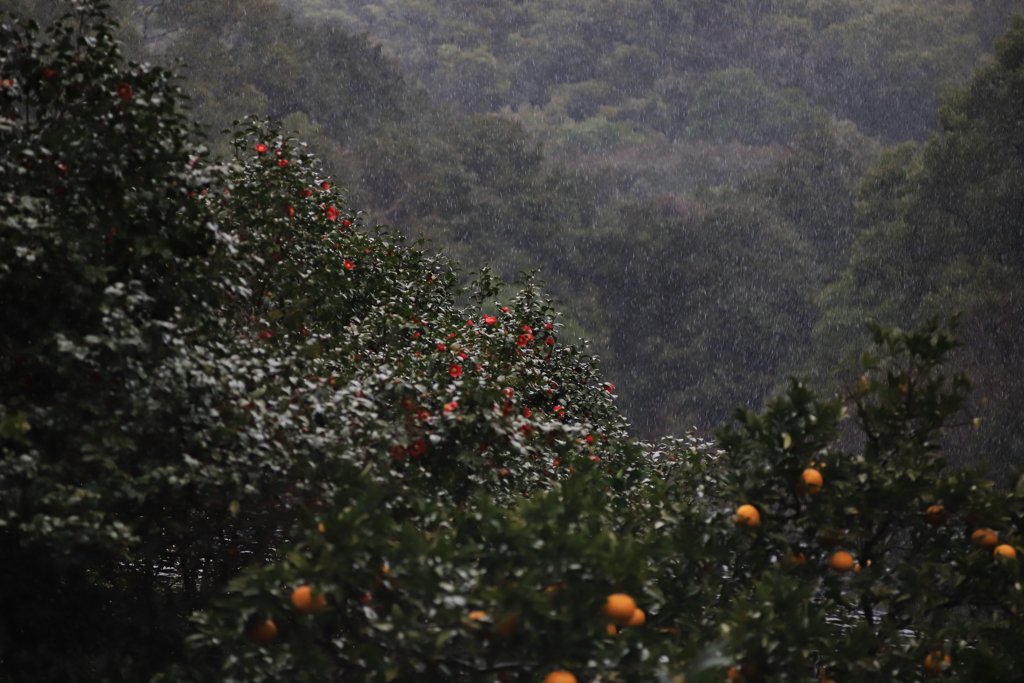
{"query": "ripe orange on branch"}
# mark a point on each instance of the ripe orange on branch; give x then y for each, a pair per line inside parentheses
(638, 618)
(1004, 550)
(305, 602)
(812, 481)
(935, 662)
(841, 561)
(619, 608)
(560, 677)
(936, 515)
(748, 516)
(262, 633)
(985, 539)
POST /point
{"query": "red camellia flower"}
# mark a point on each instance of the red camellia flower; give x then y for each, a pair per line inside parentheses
(508, 391)
(326, 185)
(548, 326)
(282, 162)
(346, 223)
(349, 266)
(332, 213)
(449, 407)
(504, 309)
(291, 211)
(549, 341)
(306, 192)
(455, 370)
(463, 355)
(523, 340)
(422, 415)
(265, 334)
(527, 329)
(261, 148)
(440, 347)
(124, 91)
(609, 387)
(590, 439)
(418, 448)
(490, 319)
(49, 75)
(469, 323)
(507, 409)
(398, 452)
(526, 412)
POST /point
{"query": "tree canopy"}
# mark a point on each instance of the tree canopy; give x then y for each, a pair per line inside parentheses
(244, 435)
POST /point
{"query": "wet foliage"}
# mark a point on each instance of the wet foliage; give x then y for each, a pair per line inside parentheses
(247, 435)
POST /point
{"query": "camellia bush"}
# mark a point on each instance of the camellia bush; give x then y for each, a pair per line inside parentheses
(246, 437)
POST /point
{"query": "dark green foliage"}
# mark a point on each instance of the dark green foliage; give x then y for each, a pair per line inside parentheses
(243, 389)
(711, 298)
(942, 233)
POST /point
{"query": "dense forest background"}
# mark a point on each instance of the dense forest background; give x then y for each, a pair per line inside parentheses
(719, 192)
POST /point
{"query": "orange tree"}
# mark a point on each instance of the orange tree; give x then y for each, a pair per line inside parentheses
(858, 564)
(244, 436)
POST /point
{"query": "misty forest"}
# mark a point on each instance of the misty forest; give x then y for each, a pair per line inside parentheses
(515, 341)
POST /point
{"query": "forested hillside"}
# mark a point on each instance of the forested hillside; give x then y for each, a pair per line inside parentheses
(247, 436)
(692, 179)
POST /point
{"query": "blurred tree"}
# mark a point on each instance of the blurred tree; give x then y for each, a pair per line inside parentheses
(711, 300)
(943, 231)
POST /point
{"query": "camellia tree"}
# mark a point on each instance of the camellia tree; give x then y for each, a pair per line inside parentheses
(245, 437)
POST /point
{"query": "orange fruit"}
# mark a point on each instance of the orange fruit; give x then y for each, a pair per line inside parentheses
(560, 677)
(619, 608)
(477, 615)
(985, 539)
(320, 527)
(748, 516)
(841, 561)
(638, 618)
(1004, 550)
(506, 627)
(734, 675)
(799, 558)
(612, 629)
(305, 602)
(933, 663)
(936, 515)
(262, 633)
(812, 481)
